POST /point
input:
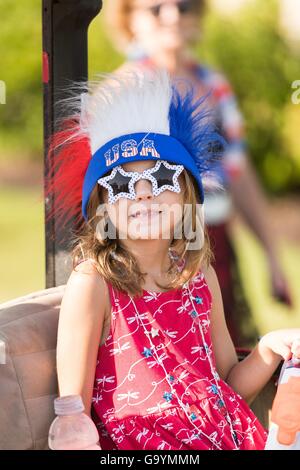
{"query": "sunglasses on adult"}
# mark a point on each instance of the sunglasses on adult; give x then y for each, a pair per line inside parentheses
(183, 7)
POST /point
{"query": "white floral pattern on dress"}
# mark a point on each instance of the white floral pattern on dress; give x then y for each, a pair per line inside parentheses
(154, 385)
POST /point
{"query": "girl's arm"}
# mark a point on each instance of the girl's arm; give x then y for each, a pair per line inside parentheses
(80, 326)
(249, 376)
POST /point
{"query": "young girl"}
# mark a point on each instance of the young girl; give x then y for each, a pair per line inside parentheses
(142, 336)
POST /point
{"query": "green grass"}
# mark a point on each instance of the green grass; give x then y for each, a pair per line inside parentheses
(22, 267)
(23, 262)
(268, 314)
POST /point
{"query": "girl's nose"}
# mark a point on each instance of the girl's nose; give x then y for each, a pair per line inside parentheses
(143, 190)
(169, 13)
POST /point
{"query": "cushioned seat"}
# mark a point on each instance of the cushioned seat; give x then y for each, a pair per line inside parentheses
(28, 381)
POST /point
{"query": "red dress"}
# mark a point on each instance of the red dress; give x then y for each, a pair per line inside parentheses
(156, 386)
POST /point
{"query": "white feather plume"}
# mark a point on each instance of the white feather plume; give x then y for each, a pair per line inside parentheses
(122, 103)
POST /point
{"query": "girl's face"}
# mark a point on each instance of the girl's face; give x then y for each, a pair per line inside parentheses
(147, 216)
(165, 24)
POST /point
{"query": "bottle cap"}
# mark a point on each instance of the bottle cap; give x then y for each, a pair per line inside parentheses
(68, 405)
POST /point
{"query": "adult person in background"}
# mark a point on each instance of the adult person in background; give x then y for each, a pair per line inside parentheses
(161, 33)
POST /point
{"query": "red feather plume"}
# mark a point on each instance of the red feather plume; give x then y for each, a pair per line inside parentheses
(68, 159)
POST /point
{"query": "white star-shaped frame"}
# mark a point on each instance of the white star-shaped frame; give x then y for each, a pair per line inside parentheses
(119, 179)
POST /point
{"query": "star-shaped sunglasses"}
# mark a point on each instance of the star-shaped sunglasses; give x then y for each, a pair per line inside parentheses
(120, 183)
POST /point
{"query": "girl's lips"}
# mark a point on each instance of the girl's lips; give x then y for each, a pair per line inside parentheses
(147, 213)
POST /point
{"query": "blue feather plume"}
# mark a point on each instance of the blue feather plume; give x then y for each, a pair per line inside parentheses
(191, 123)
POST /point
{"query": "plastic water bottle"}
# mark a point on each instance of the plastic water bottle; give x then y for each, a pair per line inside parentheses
(72, 429)
(284, 433)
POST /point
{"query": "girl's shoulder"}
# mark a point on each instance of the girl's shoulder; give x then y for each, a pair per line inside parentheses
(208, 274)
(207, 271)
(88, 267)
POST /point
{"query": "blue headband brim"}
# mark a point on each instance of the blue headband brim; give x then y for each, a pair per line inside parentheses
(133, 148)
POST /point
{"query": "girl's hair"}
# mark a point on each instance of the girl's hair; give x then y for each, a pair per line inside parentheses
(119, 267)
(117, 14)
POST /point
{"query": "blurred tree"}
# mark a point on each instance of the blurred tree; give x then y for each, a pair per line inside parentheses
(102, 56)
(20, 69)
(249, 49)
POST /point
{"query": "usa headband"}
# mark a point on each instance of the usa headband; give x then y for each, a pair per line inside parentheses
(137, 147)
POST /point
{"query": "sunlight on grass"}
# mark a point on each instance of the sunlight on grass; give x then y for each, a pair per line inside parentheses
(268, 314)
(21, 242)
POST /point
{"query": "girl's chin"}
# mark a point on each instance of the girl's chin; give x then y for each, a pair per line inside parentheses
(147, 231)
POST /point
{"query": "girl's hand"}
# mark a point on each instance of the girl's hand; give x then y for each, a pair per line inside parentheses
(296, 348)
(283, 343)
